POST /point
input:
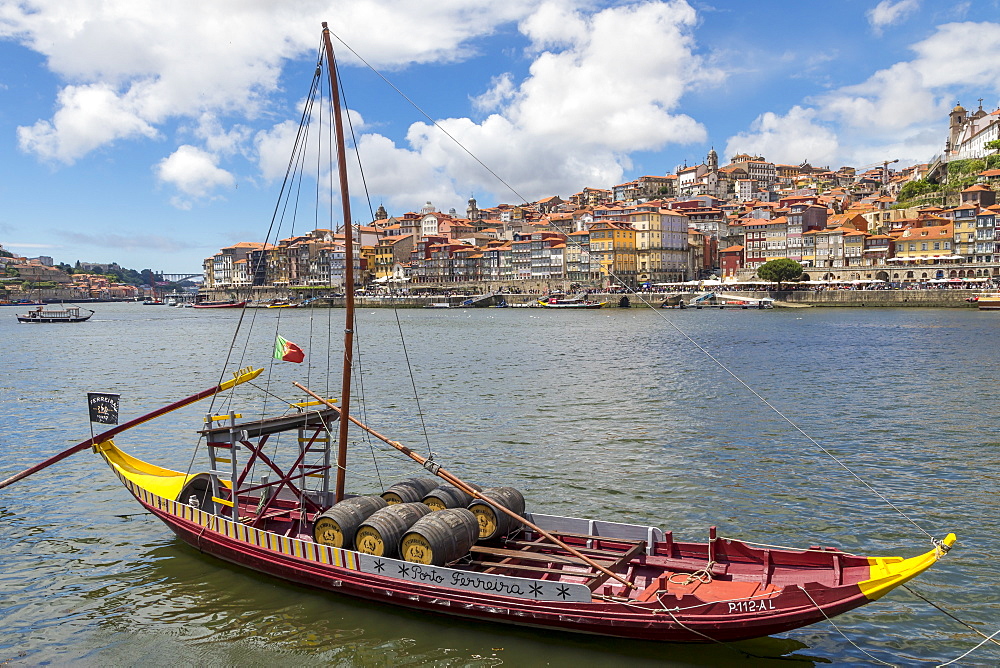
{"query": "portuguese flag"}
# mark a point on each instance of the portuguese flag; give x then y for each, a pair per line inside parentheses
(287, 351)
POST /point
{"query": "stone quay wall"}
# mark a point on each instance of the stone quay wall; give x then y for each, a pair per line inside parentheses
(934, 298)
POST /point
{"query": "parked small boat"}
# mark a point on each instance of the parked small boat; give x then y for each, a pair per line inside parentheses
(221, 304)
(65, 314)
(562, 301)
(989, 301)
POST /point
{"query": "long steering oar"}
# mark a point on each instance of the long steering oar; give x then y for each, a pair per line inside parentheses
(241, 376)
(441, 473)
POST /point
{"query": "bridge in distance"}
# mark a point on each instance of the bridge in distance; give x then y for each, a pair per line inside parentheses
(175, 278)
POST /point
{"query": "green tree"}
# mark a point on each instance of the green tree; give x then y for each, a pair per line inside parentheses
(993, 145)
(915, 188)
(780, 270)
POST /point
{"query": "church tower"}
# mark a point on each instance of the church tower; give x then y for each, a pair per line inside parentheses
(472, 213)
(956, 121)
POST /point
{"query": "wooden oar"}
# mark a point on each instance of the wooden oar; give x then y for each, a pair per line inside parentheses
(441, 473)
(241, 376)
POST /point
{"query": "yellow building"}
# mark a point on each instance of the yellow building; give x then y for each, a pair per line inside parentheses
(613, 249)
(924, 245)
(390, 251)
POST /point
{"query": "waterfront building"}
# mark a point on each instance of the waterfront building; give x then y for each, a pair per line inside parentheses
(854, 247)
(808, 249)
(332, 267)
(755, 242)
(923, 244)
(987, 249)
(547, 252)
(241, 274)
(578, 257)
(497, 262)
(830, 248)
(661, 242)
(875, 252)
(390, 251)
(520, 259)
(731, 261)
(613, 248)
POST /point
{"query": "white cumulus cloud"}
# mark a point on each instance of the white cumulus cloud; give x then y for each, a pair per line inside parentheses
(88, 117)
(790, 138)
(889, 12)
(140, 69)
(193, 171)
(897, 112)
(601, 85)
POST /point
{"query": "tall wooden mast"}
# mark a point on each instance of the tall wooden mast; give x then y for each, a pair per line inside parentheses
(345, 201)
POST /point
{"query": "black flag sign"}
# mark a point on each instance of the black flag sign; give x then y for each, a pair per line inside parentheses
(103, 407)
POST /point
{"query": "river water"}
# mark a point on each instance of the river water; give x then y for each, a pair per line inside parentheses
(617, 414)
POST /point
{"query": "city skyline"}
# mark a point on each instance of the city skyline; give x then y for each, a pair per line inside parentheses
(154, 135)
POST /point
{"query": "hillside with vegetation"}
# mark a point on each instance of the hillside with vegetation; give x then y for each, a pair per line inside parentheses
(961, 175)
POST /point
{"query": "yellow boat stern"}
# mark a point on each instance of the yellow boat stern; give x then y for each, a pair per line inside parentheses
(162, 482)
(887, 573)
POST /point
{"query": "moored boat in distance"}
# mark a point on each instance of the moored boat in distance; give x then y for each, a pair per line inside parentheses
(221, 304)
(65, 314)
(562, 301)
(989, 301)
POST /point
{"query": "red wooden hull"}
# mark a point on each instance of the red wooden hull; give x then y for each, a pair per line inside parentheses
(647, 623)
(680, 619)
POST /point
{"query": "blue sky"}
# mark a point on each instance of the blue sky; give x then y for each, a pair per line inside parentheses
(153, 134)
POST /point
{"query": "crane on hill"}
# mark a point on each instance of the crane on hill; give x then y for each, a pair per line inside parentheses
(885, 168)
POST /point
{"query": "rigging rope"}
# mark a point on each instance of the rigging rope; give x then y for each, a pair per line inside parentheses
(854, 644)
(947, 613)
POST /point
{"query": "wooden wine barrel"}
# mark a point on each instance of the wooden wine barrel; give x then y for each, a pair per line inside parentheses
(411, 490)
(441, 537)
(336, 527)
(379, 535)
(447, 496)
(492, 522)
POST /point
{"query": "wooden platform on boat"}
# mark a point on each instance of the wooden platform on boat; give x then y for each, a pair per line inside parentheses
(543, 557)
(274, 425)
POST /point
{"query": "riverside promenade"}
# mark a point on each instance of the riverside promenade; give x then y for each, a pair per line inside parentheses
(784, 298)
